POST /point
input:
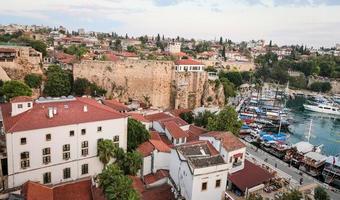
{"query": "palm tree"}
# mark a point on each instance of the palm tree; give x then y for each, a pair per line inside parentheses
(106, 151)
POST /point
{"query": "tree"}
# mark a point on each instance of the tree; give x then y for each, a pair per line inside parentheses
(228, 88)
(131, 49)
(129, 162)
(106, 151)
(15, 88)
(58, 82)
(187, 116)
(78, 51)
(202, 118)
(81, 86)
(39, 46)
(234, 77)
(292, 195)
(221, 40)
(225, 120)
(116, 185)
(320, 194)
(33, 80)
(118, 45)
(253, 196)
(137, 134)
(223, 53)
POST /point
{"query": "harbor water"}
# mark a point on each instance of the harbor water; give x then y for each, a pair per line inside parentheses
(325, 129)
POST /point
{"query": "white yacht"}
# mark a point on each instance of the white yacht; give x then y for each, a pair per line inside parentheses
(323, 108)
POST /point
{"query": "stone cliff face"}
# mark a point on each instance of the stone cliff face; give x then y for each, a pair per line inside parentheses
(213, 94)
(154, 82)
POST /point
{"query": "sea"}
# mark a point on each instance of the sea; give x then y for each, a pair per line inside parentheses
(325, 129)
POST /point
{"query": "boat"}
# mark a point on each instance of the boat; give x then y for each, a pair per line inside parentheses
(331, 171)
(323, 108)
(313, 163)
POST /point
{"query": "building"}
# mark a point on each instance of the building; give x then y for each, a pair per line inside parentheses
(7, 55)
(54, 140)
(173, 47)
(188, 65)
(198, 171)
(337, 47)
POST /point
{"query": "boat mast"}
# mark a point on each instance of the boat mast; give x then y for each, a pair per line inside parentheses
(310, 130)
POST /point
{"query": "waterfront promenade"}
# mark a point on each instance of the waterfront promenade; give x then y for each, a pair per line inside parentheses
(287, 172)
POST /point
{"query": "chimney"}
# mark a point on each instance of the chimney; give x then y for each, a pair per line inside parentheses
(50, 112)
(85, 108)
(54, 110)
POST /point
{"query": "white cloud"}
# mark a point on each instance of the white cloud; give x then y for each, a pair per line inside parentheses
(312, 24)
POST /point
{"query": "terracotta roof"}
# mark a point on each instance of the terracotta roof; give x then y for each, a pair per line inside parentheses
(175, 131)
(251, 175)
(157, 116)
(116, 105)
(155, 135)
(36, 191)
(177, 112)
(166, 141)
(7, 50)
(194, 132)
(20, 99)
(160, 174)
(187, 62)
(177, 120)
(138, 117)
(162, 192)
(137, 184)
(68, 191)
(65, 58)
(68, 112)
(229, 141)
(155, 143)
(126, 54)
(111, 57)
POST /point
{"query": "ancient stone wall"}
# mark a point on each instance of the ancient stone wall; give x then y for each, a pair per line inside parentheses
(135, 79)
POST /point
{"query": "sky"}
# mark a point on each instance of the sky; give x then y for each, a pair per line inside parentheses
(310, 22)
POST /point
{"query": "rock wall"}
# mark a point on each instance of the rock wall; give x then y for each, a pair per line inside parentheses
(213, 94)
(154, 82)
(136, 79)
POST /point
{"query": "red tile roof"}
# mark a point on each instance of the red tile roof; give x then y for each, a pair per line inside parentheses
(146, 148)
(157, 116)
(177, 120)
(158, 193)
(160, 174)
(20, 99)
(177, 112)
(116, 105)
(187, 62)
(126, 54)
(194, 132)
(137, 184)
(175, 131)
(7, 50)
(228, 140)
(160, 146)
(252, 175)
(72, 114)
(65, 58)
(111, 57)
(154, 143)
(68, 191)
(138, 117)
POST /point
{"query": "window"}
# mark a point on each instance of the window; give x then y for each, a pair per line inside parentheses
(83, 131)
(29, 105)
(47, 177)
(19, 105)
(204, 186)
(116, 140)
(25, 159)
(66, 151)
(67, 173)
(48, 137)
(71, 133)
(23, 141)
(218, 183)
(46, 152)
(99, 129)
(84, 169)
(84, 148)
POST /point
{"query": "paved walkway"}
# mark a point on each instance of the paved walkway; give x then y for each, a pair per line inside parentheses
(285, 171)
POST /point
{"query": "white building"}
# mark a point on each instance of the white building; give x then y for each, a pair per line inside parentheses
(198, 172)
(230, 147)
(188, 65)
(173, 47)
(55, 140)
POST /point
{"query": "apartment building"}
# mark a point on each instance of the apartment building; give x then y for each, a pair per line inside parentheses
(54, 140)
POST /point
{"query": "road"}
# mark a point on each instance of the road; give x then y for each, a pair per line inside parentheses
(288, 172)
